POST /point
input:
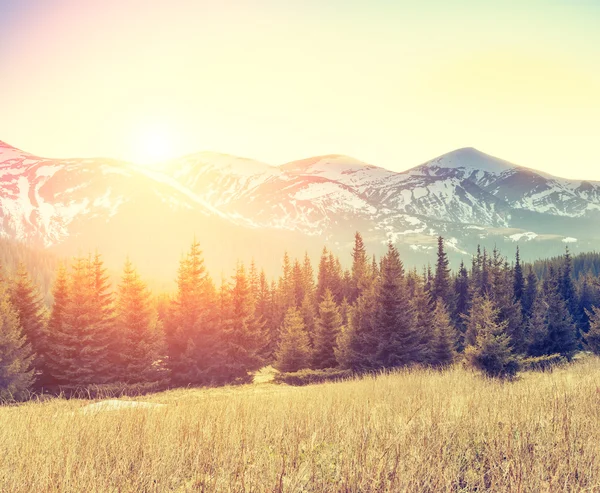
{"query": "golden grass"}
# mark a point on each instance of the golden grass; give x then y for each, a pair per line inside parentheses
(416, 431)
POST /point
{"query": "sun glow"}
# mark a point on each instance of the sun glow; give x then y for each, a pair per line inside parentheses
(153, 144)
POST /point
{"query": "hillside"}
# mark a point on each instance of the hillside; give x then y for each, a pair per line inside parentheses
(240, 208)
(406, 431)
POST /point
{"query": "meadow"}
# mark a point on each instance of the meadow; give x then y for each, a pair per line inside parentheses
(413, 430)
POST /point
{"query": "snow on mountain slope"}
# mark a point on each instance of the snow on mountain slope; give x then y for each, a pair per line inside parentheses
(465, 195)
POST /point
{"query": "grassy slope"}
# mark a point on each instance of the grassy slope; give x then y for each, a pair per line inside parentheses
(411, 431)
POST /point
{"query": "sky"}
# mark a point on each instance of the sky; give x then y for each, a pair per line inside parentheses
(393, 83)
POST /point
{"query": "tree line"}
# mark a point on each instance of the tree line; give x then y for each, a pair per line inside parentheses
(374, 315)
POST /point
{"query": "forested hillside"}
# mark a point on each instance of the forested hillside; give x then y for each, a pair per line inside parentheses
(495, 314)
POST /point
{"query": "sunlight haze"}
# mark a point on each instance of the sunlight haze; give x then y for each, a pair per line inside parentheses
(390, 83)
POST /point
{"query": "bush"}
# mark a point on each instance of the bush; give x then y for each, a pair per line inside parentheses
(106, 391)
(546, 362)
(307, 377)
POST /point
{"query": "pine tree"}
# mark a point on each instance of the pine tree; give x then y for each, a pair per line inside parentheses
(357, 343)
(530, 293)
(463, 300)
(298, 284)
(16, 355)
(139, 334)
(308, 276)
(293, 353)
(103, 318)
(243, 333)
(518, 278)
(80, 352)
(491, 352)
(537, 328)
(56, 324)
(566, 285)
(441, 282)
(191, 330)
(27, 301)
(561, 330)
(360, 268)
(593, 335)
(398, 345)
(444, 337)
(328, 326)
(421, 305)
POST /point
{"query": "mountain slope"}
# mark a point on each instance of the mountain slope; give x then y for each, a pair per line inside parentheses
(239, 207)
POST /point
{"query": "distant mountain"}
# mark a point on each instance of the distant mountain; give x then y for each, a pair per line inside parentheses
(240, 208)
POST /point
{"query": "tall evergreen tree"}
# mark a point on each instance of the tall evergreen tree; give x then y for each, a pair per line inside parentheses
(360, 268)
(139, 333)
(593, 335)
(193, 341)
(491, 352)
(530, 294)
(398, 344)
(537, 328)
(518, 278)
(463, 299)
(358, 341)
(423, 321)
(81, 351)
(243, 333)
(16, 354)
(441, 282)
(29, 304)
(443, 341)
(566, 284)
(562, 335)
(56, 325)
(328, 326)
(293, 353)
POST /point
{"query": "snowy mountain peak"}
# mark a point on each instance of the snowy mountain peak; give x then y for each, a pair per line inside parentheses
(468, 158)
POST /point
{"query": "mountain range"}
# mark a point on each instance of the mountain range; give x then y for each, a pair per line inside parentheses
(239, 208)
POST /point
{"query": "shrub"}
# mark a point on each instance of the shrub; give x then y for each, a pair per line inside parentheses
(547, 362)
(307, 377)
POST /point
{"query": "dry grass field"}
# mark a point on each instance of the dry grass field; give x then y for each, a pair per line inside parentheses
(416, 431)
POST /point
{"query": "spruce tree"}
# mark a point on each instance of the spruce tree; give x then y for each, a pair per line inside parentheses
(461, 307)
(139, 333)
(593, 335)
(562, 335)
(398, 344)
(193, 341)
(518, 278)
(444, 337)
(566, 285)
(27, 301)
(293, 353)
(491, 352)
(56, 335)
(421, 305)
(243, 333)
(81, 350)
(16, 355)
(441, 281)
(537, 328)
(328, 326)
(360, 268)
(530, 294)
(358, 341)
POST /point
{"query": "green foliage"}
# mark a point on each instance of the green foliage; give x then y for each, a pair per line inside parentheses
(294, 352)
(444, 337)
(328, 326)
(16, 356)
(309, 377)
(593, 335)
(491, 351)
(139, 333)
(546, 362)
